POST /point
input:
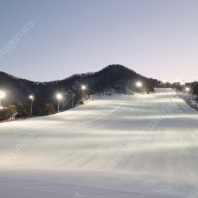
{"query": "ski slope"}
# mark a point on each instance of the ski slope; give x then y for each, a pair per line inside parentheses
(140, 146)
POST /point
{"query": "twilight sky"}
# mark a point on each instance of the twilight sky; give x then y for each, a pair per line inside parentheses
(156, 38)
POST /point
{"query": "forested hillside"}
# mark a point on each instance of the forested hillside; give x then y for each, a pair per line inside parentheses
(113, 77)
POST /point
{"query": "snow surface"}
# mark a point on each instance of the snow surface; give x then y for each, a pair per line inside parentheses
(141, 146)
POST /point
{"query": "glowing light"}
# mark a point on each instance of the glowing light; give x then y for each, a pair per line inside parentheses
(138, 84)
(83, 87)
(31, 97)
(187, 89)
(59, 96)
(2, 94)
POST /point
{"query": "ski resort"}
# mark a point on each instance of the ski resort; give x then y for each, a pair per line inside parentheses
(98, 99)
(142, 145)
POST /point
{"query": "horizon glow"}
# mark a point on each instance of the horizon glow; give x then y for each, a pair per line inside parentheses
(157, 39)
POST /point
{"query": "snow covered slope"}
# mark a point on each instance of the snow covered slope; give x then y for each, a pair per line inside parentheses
(140, 146)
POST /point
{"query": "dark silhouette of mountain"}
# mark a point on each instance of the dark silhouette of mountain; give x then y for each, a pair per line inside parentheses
(116, 77)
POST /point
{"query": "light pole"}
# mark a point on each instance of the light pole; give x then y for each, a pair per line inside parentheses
(139, 84)
(182, 84)
(73, 99)
(2, 95)
(59, 97)
(188, 90)
(31, 97)
(83, 87)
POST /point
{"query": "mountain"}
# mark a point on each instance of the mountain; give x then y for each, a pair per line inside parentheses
(112, 77)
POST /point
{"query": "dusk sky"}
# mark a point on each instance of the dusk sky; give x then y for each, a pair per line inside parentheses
(156, 38)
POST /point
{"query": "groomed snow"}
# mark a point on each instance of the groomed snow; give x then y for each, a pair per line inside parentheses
(140, 146)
